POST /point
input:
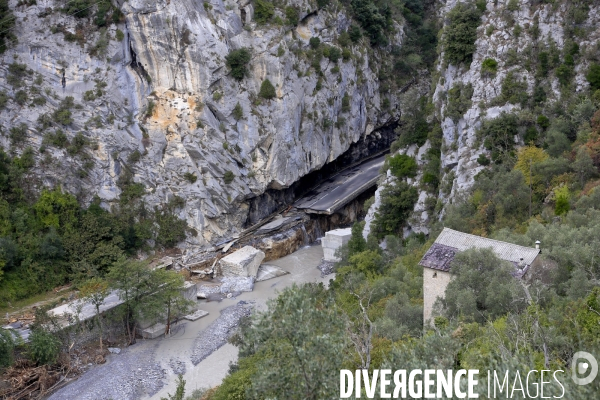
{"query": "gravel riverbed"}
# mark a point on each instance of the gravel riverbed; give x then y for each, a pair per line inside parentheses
(136, 372)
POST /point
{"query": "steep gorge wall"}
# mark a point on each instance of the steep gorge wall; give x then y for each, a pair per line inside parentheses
(513, 34)
(166, 109)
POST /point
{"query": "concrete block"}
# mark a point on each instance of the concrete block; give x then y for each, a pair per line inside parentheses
(189, 290)
(153, 331)
(196, 315)
(244, 262)
(333, 240)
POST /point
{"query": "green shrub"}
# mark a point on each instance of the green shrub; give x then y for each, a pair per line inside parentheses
(7, 348)
(319, 85)
(373, 20)
(461, 33)
(267, 90)
(238, 61)
(489, 66)
(346, 54)
(150, 108)
(498, 135)
(483, 160)
(238, 112)
(514, 89)
(333, 54)
(18, 133)
(62, 116)
(228, 177)
(89, 95)
(16, 74)
(21, 97)
(593, 76)
(344, 39)
(397, 202)
(459, 101)
(314, 42)
(561, 205)
(39, 101)
(292, 15)
(263, 11)
(355, 33)
(543, 122)
(3, 98)
(531, 134)
(77, 144)
(190, 177)
(134, 157)
(403, 166)
(513, 5)
(57, 139)
(7, 21)
(171, 230)
(44, 347)
(119, 35)
(564, 73)
(345, 103)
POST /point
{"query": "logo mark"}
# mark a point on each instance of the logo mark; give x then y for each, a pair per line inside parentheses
(579, 367)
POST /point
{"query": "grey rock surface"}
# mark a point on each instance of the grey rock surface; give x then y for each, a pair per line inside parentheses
(167, 93)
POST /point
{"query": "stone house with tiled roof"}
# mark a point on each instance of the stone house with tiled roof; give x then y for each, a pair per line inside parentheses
(437, 261)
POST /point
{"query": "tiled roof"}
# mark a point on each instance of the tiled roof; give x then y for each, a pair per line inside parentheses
(449, 242)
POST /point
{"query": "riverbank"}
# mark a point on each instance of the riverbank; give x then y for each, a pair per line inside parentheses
(197, 350)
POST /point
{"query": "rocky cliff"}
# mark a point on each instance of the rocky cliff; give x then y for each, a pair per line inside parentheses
(526, 59)
(151, 96)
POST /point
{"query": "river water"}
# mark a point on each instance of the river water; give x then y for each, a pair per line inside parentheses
(302, 268)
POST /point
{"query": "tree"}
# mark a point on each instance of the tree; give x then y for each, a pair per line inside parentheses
(292, 16)
(238, 112)
(526, 158)
(7, 346)
(179, 392)
(301, 337)
(461, 33)
(403, 166)
(489, 66)
(132, 281)
(583, 165)
(593, 76)
(561, 200)
(267, 90)
(166, 299)
(238, 61)
(397, 201)
(7, 21)
(44, 346)
(95, 291)
(263, 11)
(482, 287)
(373, 20)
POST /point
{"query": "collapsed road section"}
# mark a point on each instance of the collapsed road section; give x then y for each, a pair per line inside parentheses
(342, 188)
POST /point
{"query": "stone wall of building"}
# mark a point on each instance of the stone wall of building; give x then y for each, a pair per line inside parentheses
(434, 286)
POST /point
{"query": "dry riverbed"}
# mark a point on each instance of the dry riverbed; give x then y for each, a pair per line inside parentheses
(198, 350)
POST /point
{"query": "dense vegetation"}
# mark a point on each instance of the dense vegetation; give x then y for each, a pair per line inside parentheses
(147, 294)
(49, 240)
(7, 21)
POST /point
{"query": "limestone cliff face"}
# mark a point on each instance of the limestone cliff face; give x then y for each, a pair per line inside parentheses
(169, 96)
(537, 25)
(508, 36)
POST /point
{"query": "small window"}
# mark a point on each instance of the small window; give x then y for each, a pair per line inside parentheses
(435, 274)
